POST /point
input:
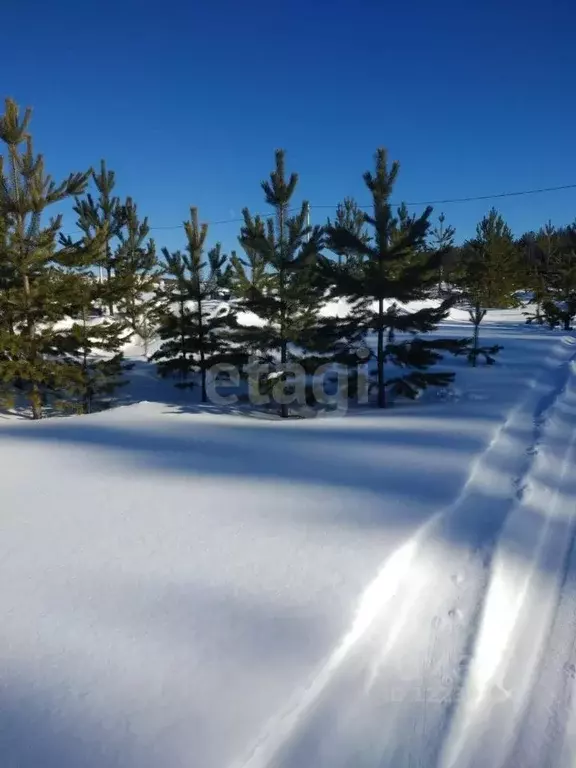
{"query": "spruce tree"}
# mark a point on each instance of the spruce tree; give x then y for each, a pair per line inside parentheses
(196, 335)
(286, 299)
(395, 268)
(37, 290)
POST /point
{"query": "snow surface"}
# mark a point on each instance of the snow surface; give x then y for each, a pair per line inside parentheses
(185, 587)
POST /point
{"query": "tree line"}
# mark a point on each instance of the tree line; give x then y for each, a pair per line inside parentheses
(69, 305)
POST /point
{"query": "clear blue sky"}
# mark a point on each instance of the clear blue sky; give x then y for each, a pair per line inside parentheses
(188, 100)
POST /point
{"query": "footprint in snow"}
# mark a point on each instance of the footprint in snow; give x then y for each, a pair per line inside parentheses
(570, 670)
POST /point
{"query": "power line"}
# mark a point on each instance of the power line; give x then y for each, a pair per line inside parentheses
(487, 197)
(446, 201)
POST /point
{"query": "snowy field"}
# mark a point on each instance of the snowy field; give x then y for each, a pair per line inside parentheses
(183, 588)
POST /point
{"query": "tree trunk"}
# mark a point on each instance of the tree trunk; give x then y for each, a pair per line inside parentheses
(282, 276)
(204, 395)
(283, 360)
(36, 402)
(35, 394)
(108, 279)
(475, 347)
(380, 356)
(184, 370)
(567, 323)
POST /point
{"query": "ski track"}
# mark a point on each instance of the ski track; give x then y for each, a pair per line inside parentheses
(475, 669)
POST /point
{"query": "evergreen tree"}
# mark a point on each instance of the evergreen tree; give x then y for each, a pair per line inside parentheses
(442, 239)
(490, 272)
(37, 289)
(395, 267)
(349, 216)
(174, 357)
(136, 272)
(536, 250)
(217, 263)
(286, 297)
(195, 334)
(248, 277)
(101, 220)
(7, 274)
(94, 346)
(560, 305)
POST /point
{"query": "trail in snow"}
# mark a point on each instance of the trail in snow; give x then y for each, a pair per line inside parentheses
(443, 656)
(521, 603)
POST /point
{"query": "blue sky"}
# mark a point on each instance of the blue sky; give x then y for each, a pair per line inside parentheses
(188, 100)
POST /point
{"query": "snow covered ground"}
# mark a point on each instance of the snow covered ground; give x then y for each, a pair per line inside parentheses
(183, 587)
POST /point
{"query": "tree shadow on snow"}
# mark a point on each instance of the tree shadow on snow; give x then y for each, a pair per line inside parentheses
(404, 469)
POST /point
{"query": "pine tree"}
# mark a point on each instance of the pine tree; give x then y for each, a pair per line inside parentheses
(442, 239)
(489, 274)
(196, 335)
(174, 357)
(560, 305)
(395, 268)
(537, 251)
(37, 291)
(94, 346)
(217, 263)
(286, 298)
(7, 274)
(101, 220)
(249, 276)
(349, 216)
(136, 273)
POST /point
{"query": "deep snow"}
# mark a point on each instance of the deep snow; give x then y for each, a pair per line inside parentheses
(183, 587)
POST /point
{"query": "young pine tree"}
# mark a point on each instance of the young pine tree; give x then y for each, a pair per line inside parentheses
(196, 335)
(38, 291)
(442, 239)
(94, 346)
(101, 219)
(395, 267)
(349, 216)
(7, 274)
(286, 298)
(489, 274)
(536, 250)
(560, 305)
(247, 277)
(136, 273)
(217, 264)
